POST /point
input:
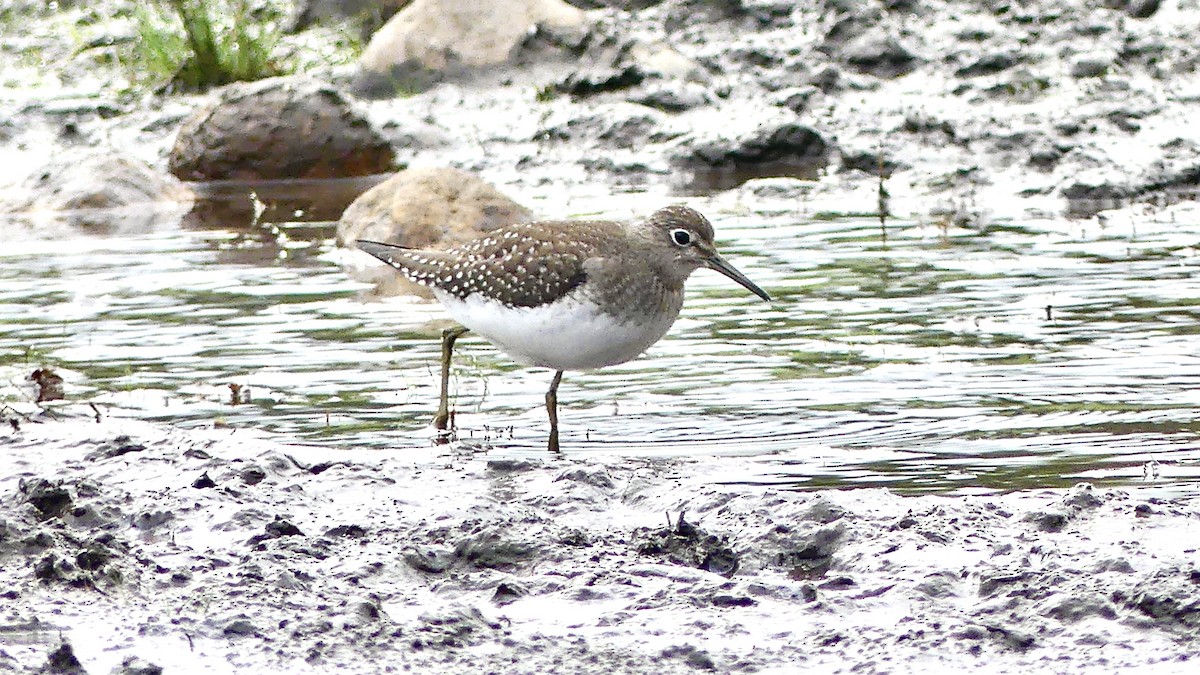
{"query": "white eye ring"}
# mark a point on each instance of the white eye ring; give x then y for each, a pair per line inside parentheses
(681, 236)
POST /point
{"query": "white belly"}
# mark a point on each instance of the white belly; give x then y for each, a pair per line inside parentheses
(565, 335)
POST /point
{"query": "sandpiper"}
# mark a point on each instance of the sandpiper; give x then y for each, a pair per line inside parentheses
(565, 295)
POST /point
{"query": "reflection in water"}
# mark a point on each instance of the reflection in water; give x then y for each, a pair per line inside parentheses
(225, 204)
(706, 179)
(1004, 357)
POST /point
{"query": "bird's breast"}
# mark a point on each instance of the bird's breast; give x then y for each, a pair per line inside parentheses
(572, 333)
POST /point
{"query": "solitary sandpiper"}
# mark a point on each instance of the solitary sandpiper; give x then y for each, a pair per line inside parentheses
(566, 295)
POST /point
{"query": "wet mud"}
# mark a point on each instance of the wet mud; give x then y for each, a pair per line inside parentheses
(130, 547)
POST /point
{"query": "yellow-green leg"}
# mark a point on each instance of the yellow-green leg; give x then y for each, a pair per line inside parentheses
(552, 411)
(442, 419)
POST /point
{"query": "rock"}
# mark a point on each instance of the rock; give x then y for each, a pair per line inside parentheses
(798, 99)
(507, 466)
(596, 477)
(427, 207)
(369, 15)
(1177, 169)
(1091, 65)
(278, 128)
(429, 560)
(282, 528)
(808, 553)
(879, 55)
(1142, 9)
(204, 482)
(240, 627)
(508, 592)
(687, 544)
(871, 162)
(673, 96)
(452, 627)
(493, 548)
(132, 665)
(1015, 640)
(94, 190)
(50, 499)
(1072, 608)
(1083, 496)
(988, 64)
(788, 149)
(827, 79)
(351, 531)
(72, 108)
(1097, 189)
(1045, 155)
(422, 208)
(612, 61)
(619, 127)
(1048, 521)
(430, 40)
(696, 658)
(252, 475)
(62, 661)
(599, 79)
(851, 21)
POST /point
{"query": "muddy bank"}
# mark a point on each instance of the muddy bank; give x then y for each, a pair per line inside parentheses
(966, 111)
(140, 547)
(219, 551)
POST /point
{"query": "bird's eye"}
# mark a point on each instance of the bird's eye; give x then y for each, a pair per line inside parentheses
(681, 237)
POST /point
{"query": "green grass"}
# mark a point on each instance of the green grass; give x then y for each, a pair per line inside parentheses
(194, 45)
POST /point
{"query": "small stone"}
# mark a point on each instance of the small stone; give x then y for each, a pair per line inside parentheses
(1083, 496)
(240, 627)
(252, 475)
(283, 528)
(696, 658)
(93, 558)
(1090, 66)
(732, 601)
(512, 465)
(988, 64)
(507, 592)
(62, 661)
(430, 561)
(349, 531)
(1048, 521)
(880, 55)
(50, 499)
(133, 665)
(1142, 9)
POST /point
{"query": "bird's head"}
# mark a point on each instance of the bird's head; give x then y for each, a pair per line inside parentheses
(688, 237)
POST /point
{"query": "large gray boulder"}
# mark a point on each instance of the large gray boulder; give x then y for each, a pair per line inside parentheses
(432, 39)
(97, 191)
(278, 128)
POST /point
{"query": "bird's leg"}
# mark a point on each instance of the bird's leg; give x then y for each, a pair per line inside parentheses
(552, 411)
(442, 419)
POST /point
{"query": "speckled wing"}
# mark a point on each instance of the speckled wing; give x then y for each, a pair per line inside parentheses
(523, 265)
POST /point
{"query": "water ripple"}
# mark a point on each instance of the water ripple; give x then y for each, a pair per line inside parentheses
(1013, 356)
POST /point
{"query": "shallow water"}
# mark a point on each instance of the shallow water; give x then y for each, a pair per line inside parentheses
(1017, 355)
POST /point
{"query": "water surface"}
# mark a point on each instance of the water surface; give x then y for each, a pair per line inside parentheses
(1022, 354)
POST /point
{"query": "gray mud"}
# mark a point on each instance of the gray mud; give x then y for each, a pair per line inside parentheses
(136, 547)
(216, 551)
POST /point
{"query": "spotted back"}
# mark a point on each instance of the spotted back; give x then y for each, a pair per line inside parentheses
(524, 265)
